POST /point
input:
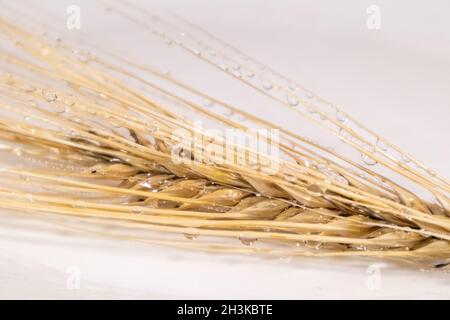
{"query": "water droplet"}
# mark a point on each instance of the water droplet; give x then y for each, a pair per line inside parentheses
(146, 184)
(191, 234)
(228, 112)
(311, 110)
(152, 126)
(340, 116)
(45, 51)
(334, 176)
(29, 197)
(246, 241)
(17, 152)
(50, 96)
(309, 95)
(76, 119)
(208, 103)
(29, 89)
(80, 205)
(288, 176)
(250, 74)
(345, 136)
(60, 107)
(267, 85)
(382, 144)
(316, 189)
(308, 163)
(431, 172)
(293, 101)
(25, 177)
(406, 158)
(366, 158)
(322, 116)
(240, 117)
(235, 66)
(293, 87)
(287, 259)
(339, 179)
(236, 73)
(82, 56)
(137, 210)
(223, 66)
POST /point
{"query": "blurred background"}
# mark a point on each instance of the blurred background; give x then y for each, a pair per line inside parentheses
(387, 63)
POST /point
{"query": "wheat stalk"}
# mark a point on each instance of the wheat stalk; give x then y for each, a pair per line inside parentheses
(91, 145)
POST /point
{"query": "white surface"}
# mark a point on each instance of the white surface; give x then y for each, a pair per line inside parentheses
(396, 80)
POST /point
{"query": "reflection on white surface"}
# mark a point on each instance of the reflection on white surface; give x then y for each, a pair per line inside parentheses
(39, 265)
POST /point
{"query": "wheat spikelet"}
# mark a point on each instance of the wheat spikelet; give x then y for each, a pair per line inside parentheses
(80, 140)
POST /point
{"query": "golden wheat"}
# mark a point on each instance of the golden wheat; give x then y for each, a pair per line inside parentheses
(79, 140)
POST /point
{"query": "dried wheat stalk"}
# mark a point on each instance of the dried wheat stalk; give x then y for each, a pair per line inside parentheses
(80, 140)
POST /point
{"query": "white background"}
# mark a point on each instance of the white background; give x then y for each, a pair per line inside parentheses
(396, 80)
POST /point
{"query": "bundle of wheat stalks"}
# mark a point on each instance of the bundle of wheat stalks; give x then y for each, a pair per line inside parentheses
(92, 139)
